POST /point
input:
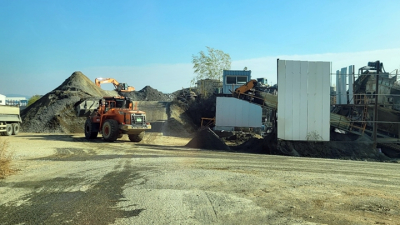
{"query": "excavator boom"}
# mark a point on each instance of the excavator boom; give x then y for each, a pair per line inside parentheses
(249, 92)
(123, 87)
(246, 87)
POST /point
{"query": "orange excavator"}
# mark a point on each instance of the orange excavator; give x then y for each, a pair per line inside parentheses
(123, 87)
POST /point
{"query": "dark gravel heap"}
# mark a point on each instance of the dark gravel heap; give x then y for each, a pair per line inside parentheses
(355, 149)
(55, 111)
(148, 94)
(207, 139)
(333, 149)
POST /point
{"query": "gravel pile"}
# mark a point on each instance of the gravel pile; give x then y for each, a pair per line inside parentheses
(349, 147)
(148, 94)
(207, 139)
(333, 149)
(55, 111)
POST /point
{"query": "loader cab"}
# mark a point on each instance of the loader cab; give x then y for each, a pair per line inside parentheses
(108, 103)
(112, 102)
(123, 103)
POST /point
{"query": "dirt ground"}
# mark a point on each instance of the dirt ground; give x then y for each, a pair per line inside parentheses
(65, 179)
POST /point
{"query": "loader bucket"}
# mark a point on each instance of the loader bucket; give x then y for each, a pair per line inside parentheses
(85, 108)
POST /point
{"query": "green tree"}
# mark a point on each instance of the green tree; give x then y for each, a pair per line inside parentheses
(210, 65)
(33, 99)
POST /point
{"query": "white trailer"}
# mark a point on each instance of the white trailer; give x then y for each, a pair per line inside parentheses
(2, 99)
(10, 120)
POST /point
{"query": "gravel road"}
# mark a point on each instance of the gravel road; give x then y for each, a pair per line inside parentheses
(65, 179)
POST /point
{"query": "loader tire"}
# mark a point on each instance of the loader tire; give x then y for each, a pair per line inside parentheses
(136, 137)
(110, 130)
(15, 128)
(9, 130)
(90, 132)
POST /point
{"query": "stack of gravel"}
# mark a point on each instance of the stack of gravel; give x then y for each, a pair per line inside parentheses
(55, 111)
(148, 94)
(207, 139)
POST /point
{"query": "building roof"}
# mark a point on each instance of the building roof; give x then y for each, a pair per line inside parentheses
(16, 98)
(237, 72)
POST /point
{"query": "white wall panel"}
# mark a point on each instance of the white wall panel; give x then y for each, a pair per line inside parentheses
(343, 88)
(303, 100)
(312, 70)
(326, 99)
(233, 112)
(238, 114)
(296, 85)
(281, 98)
(319, 92)
(337, 87)
(289, 100)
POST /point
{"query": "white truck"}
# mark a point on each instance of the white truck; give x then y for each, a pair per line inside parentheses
(10, 120)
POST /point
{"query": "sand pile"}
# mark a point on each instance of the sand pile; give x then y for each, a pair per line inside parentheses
(55, 111)
(207, 139)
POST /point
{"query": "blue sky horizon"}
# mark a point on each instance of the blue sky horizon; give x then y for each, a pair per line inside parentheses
(152, 42)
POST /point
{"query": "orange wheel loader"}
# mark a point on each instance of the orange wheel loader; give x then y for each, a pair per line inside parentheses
(113, 117)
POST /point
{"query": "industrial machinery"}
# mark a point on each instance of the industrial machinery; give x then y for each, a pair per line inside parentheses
(113, 117)
(249, 92)
(372, 67)
(123, 87)
(246, 88)
(10, 120)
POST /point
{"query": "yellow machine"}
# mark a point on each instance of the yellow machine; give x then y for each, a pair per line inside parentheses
(123, 87)
(249, 92)
(246, 88)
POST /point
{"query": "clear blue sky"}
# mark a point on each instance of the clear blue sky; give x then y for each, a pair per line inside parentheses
(43, 42)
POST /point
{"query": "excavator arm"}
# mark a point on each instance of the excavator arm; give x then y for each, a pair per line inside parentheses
(250, 92)
(118, 86)
(99, 81)
(246, 87)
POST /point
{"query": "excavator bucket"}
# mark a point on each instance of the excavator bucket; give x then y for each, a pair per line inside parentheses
(85, 108)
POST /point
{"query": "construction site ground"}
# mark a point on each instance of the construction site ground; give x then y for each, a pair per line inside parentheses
(66, 179)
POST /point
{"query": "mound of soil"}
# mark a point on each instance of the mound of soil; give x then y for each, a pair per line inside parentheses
(148, 94)
(55, 111)
(255, 144)
(332, 149)
(357, 149)
(179, 123)
(201, 107)
(207, 139)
